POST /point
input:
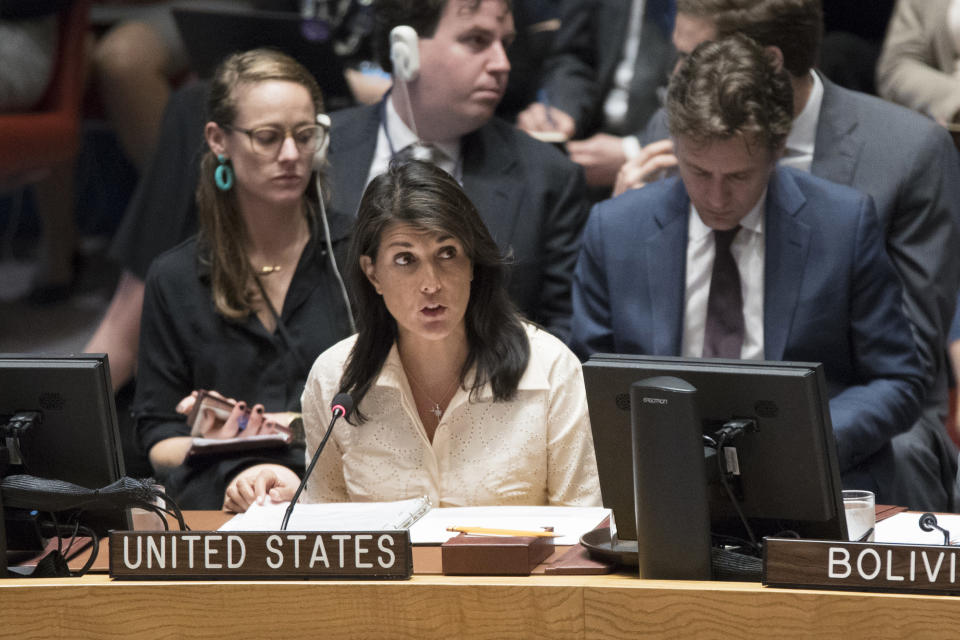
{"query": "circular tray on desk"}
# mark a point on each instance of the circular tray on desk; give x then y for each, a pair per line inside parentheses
(599, 546)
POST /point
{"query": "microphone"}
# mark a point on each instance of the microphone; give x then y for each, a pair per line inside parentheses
(928, 522)
(342, 405)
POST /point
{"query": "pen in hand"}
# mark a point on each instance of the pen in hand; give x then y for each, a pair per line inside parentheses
(544, 98)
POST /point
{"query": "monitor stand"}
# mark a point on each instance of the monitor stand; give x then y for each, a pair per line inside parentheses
(670, 483)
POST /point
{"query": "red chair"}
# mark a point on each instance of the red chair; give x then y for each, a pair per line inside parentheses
(33, 141)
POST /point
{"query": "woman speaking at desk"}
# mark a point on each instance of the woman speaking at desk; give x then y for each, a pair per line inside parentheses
(246, 306)
(456, 397)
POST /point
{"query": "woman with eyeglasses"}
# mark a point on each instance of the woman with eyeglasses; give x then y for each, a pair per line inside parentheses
(243, 308)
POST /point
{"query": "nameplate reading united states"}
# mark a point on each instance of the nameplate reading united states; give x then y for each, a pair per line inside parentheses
(865, 566)
(265, 555)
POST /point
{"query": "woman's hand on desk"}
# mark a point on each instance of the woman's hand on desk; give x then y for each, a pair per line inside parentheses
(256, 483)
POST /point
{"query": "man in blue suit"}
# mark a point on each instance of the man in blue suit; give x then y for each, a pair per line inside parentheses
(811, 280)
(904, 161)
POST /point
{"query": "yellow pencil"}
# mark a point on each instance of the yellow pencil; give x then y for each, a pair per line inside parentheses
(486, 531)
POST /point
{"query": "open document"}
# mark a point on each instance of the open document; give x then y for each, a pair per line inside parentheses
(904, 528)
(427, 525)
(332, 516)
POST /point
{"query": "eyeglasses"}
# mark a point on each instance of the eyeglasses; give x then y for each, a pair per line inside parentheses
(266, 141)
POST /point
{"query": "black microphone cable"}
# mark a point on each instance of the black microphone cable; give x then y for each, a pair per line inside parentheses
(342, 405)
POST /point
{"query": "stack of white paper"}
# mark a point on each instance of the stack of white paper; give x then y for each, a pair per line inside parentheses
(904, 528)
(331, 516)
(427, 526)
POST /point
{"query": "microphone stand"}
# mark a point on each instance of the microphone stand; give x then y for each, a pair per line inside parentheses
(339, 410)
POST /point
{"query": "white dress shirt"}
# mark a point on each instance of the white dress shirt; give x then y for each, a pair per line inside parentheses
(803, 133)
(535, 449)
(400, 137)
(748, 252)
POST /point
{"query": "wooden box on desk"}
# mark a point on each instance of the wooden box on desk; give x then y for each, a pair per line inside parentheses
(466, 555)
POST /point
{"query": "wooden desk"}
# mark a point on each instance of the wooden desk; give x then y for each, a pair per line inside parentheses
(436, 606)
(554, 607)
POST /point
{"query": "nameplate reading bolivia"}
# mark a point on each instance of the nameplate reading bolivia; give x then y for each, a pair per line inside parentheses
(861, 565)
(266, 555)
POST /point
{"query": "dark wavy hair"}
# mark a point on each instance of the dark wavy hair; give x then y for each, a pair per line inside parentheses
(421, 195)
(729, 87)
(793, 26)
(422, 15)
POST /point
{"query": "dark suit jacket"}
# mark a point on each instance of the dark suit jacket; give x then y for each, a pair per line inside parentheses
(909, 166)
(528, 194)
(830, 296)
(588, 46)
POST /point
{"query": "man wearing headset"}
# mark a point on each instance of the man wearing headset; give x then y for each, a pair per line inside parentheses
(450, 70)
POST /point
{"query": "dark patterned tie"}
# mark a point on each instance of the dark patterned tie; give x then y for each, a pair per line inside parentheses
(723, 335)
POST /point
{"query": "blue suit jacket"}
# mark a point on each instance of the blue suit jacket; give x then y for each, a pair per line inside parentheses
(908, 165)
(830, 296)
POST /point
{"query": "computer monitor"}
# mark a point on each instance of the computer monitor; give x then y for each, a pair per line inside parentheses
(789, 478)
(76, 439)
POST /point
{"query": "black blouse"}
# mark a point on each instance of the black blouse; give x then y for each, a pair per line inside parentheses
(186, 345)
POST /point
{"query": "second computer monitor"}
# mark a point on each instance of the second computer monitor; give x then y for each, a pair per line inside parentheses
(788, 477)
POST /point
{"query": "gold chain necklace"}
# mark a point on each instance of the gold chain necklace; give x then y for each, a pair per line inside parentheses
(267, 269)
(435, 410)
